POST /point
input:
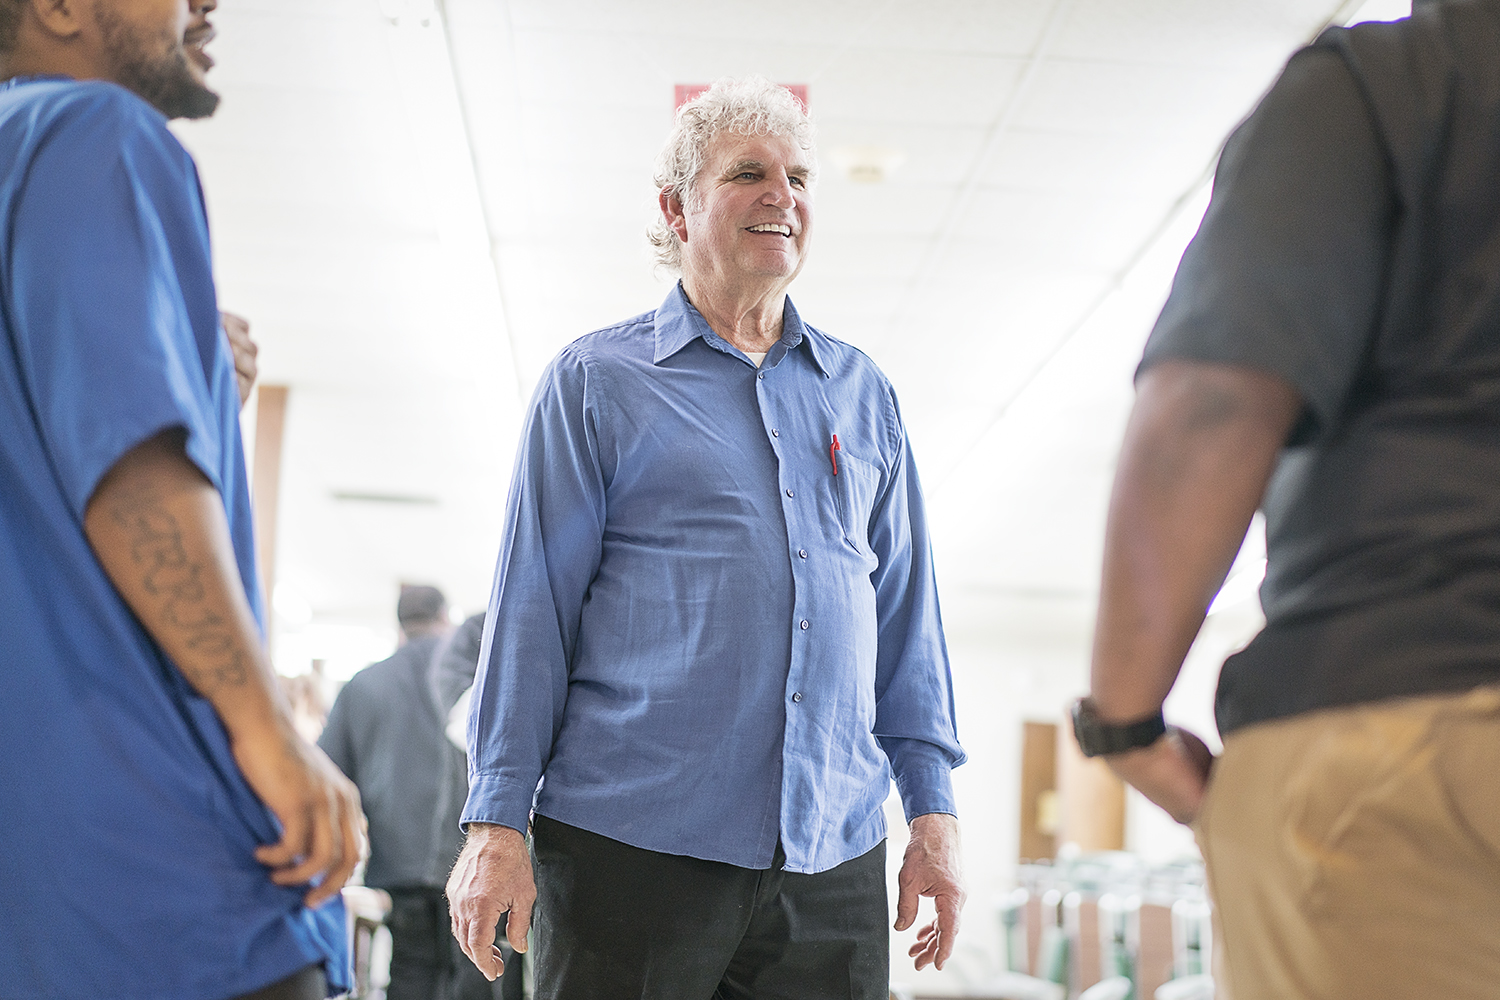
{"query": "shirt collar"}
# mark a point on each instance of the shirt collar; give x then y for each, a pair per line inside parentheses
(17, 81)
(679, 324)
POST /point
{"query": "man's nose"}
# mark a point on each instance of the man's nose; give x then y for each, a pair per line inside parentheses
(779, 192)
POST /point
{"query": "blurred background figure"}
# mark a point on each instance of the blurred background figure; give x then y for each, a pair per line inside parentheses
(385, 732)
(452, 677)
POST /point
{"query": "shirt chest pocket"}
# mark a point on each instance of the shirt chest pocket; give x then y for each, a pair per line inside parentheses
(854, 490)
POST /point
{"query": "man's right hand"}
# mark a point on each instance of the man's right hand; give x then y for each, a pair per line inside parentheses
(1172, 772)
(318, 808)
(492, 877)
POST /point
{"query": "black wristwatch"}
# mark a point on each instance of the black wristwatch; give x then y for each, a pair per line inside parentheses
(1099, 739)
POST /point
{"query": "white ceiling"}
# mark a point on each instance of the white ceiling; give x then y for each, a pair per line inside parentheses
(418, 203)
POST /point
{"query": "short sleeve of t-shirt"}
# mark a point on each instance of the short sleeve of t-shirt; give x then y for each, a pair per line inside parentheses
(103, 291)
(1286, 271)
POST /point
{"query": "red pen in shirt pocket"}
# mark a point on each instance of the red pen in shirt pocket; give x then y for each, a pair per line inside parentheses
(833, 454)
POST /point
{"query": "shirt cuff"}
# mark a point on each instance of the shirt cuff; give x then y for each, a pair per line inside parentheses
(926, 790)
(494, 798)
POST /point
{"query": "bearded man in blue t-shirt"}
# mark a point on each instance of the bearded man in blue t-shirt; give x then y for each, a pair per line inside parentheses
(166, 833)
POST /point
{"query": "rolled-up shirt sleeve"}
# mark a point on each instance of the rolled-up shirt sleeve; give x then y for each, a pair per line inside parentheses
(914, 712)
(549, 554)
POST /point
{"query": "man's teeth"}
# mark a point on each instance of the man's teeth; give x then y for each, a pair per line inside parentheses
(771, 227)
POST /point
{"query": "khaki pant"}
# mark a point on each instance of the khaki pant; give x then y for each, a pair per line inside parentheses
(1355, 853)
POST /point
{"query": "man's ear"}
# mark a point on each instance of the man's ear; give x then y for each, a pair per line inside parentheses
(61, 19)
(671, 210)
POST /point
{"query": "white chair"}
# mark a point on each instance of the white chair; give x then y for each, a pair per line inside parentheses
(1018, 986)
(1187, 988)
(1113, 988)
(367, 910)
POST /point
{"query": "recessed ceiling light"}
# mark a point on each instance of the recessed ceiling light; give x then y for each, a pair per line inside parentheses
(867, 164)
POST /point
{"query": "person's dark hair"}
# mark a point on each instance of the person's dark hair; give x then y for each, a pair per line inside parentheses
(418, 605)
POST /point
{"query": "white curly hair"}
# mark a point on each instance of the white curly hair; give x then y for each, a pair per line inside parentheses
(753, 106)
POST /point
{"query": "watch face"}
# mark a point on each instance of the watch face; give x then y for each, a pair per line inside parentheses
(1085, 729)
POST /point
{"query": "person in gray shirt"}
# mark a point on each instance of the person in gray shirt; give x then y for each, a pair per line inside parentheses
(452, 678)
(385, 732)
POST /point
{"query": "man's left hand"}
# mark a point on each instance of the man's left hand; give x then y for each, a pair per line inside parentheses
(237, 329)
(931, 868)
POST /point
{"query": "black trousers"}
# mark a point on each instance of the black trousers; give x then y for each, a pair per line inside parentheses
(308, 984)
(615, 922)
(427, 962)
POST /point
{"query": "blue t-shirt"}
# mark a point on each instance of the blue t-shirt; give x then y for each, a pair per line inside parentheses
(126, 830)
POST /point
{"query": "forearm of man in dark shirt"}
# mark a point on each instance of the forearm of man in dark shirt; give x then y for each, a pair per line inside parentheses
(1199, 449)
(158, 528)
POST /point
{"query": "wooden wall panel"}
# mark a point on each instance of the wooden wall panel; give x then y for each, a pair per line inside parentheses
(1038, 791)
(1093, 799)
(265, 488)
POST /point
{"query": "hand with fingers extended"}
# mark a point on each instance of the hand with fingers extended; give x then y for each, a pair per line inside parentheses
(322, 825)
(492, 878)
(931, 868)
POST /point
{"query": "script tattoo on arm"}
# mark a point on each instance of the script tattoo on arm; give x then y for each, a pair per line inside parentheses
(158, 526)
(174, 580)
(159, 529)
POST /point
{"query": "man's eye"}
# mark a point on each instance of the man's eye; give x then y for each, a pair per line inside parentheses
(799, 181)
(747, 175)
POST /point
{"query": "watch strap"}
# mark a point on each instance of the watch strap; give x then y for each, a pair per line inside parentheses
(1097, 738)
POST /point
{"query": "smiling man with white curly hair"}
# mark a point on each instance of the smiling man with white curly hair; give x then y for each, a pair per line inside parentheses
(714, 628)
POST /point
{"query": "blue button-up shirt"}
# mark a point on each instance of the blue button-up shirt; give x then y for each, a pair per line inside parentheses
(702, 635)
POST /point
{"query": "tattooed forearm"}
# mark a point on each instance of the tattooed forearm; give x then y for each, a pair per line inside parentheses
(174, 582)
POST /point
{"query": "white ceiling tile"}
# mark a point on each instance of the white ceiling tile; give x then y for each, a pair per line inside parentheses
(1079, 229)
(270, 47)
(900, 86)
(1100, 163)
(887, 210)
(702, 20)
(1148, 101)
(997, 27)
(1213, 34)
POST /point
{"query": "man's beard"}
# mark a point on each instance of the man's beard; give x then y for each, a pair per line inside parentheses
(157, 70)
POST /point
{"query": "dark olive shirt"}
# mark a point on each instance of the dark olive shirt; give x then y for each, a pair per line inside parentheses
(1353, 247)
